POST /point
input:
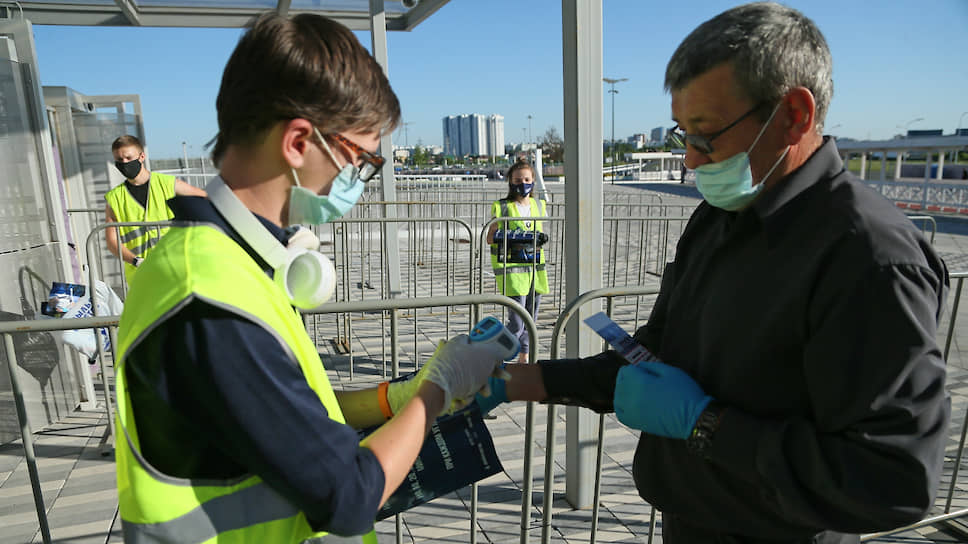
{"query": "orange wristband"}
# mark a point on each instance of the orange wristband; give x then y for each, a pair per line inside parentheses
(381, 394)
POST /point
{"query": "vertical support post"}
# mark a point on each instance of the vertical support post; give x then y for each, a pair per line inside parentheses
(27, 437)
(898, 162)
(940, 174)
(581, 22)
(388, 190)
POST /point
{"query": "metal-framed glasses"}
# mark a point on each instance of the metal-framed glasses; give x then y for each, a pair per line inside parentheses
(704, 142)
(372, 163)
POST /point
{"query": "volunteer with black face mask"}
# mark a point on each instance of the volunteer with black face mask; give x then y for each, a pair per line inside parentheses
(517, 259)
(142, 197)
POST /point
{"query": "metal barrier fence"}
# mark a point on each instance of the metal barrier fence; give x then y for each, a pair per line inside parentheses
(393, 307)
(636, 250)
(95, 257)
(564, 320)
(927, 223)
(926, 195)
(8, 329)
(432, 262)
(947, 515)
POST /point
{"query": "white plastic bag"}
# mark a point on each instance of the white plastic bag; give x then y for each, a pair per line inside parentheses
(84, 340)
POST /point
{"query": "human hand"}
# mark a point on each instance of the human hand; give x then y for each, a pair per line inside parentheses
(459, 367)
(658, 399)
(498, 395)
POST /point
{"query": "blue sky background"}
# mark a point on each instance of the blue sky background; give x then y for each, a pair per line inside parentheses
(894, 61)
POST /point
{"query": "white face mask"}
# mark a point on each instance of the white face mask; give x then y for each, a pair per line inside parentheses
(728, 184)
(309, 208)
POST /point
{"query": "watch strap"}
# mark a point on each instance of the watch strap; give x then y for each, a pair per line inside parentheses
(701, 437)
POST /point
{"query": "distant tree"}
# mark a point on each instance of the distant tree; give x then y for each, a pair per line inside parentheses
(552, 146)
(419, 155)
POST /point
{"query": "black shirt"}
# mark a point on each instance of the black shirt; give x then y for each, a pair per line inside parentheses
(138, 192)
(216, 397)
(812, 315)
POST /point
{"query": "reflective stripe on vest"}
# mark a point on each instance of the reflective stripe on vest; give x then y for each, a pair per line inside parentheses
(189, 264)
(519, 269)
(215, 517)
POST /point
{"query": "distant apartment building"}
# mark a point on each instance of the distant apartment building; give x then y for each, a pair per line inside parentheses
(658, 136)
(638, 141)
(473, 134)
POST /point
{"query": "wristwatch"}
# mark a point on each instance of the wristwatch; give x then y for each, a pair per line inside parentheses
(136, 262)
(702, 434)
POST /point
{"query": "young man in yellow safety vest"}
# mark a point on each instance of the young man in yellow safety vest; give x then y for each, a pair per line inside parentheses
(229, 430)
(142, 197)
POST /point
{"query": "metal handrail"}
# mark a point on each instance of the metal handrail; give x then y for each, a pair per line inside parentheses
(563, 320)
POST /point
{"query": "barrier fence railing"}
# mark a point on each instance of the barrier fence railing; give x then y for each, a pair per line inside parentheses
(95, 261)
(8, 329)
(393, 307)
(927, 223)
(637, 250)
(431, 261)
(947, 515)
(565, 320)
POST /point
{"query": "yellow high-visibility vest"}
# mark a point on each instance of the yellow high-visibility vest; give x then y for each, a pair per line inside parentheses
(514, 279)
(140, 240)
(156, 508)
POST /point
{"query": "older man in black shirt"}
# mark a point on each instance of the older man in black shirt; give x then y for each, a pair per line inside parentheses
(801, 397)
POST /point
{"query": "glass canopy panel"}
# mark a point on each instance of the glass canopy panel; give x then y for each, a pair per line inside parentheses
(209, 13)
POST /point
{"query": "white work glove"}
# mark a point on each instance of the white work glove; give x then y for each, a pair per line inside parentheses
(459, 367)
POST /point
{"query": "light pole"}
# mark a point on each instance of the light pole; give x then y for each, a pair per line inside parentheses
(185, 155)
(613, 92)
(909, 123)
(529, 128)
(406, 138)
(963, 114)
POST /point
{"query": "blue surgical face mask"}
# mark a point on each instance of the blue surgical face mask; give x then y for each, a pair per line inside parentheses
(728, 184)
(309, 208)
(523, 189)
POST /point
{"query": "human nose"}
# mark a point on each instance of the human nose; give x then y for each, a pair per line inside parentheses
(695, 158)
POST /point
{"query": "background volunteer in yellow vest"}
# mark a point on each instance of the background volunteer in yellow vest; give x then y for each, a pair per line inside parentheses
(523, 279)
(142, 197)
(231, 429)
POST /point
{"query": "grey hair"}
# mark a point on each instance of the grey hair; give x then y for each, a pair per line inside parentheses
(772, 49)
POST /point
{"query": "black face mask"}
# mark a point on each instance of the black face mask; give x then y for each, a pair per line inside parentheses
(129, 169)
(523, 189)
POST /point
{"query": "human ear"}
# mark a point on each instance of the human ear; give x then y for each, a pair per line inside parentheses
(799, 109)
(295, 141)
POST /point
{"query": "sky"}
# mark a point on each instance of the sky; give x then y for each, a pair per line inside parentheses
(897, 64)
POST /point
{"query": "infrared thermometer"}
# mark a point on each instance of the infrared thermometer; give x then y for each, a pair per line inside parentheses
(492, 333)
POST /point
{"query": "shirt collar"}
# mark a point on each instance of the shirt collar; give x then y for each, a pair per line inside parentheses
(825, 163)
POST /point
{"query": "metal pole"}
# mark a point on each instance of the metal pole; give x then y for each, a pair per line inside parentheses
(185, 156)
(613, 92)
(27, 437)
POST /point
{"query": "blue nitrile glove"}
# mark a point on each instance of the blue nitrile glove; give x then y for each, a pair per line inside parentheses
(498, 396)
(658, 399)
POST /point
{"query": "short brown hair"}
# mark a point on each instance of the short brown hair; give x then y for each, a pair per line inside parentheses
(307, 67)
(127, 141)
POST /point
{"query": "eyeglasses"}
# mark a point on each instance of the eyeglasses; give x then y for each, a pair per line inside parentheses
(704, 143)
(372, 163)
